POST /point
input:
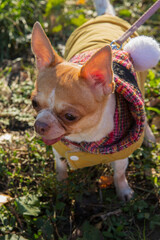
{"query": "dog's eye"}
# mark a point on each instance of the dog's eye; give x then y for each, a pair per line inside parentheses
(69, 117)
(35, 103)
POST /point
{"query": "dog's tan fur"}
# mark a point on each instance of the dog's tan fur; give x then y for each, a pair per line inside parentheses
(74, 88)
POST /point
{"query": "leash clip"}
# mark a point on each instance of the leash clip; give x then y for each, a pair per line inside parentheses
(114, 46)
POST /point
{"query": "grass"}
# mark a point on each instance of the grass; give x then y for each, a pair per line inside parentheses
(44, 209)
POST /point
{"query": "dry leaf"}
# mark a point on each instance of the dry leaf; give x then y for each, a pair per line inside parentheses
(105, 181)
(4, 199)
(6, 137)
(80, 2)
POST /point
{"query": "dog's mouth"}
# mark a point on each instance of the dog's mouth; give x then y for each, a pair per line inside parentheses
(51, 141)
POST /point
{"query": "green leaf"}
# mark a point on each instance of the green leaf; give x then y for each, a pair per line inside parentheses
(57, 28)
(151, 75)
(28, 205)
(60, 205)
(125, 13)
(90, 232)
(56, 4)
(78, 21)
(46, 227)
(155, 221)
(153, 109)
(108, 234)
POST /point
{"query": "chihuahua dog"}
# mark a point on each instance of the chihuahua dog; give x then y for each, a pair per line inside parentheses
(87, 103)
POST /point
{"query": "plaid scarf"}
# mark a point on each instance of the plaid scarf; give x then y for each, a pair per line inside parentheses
(129, 117)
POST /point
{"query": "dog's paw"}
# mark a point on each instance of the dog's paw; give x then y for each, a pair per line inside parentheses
(125, 194)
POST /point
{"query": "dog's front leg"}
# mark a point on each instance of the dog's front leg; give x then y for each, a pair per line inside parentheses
(123, 190)
(61, 166)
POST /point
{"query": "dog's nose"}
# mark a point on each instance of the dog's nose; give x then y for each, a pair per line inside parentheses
(41, 127)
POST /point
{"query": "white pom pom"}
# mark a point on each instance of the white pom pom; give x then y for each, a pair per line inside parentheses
(145, 52)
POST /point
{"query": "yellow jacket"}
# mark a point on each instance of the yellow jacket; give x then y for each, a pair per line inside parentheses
(94, 34)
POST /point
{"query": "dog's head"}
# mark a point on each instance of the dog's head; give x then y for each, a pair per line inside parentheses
(69, 99)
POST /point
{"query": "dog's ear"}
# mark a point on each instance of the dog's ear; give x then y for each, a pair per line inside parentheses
(98, 72)
(42, 48)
